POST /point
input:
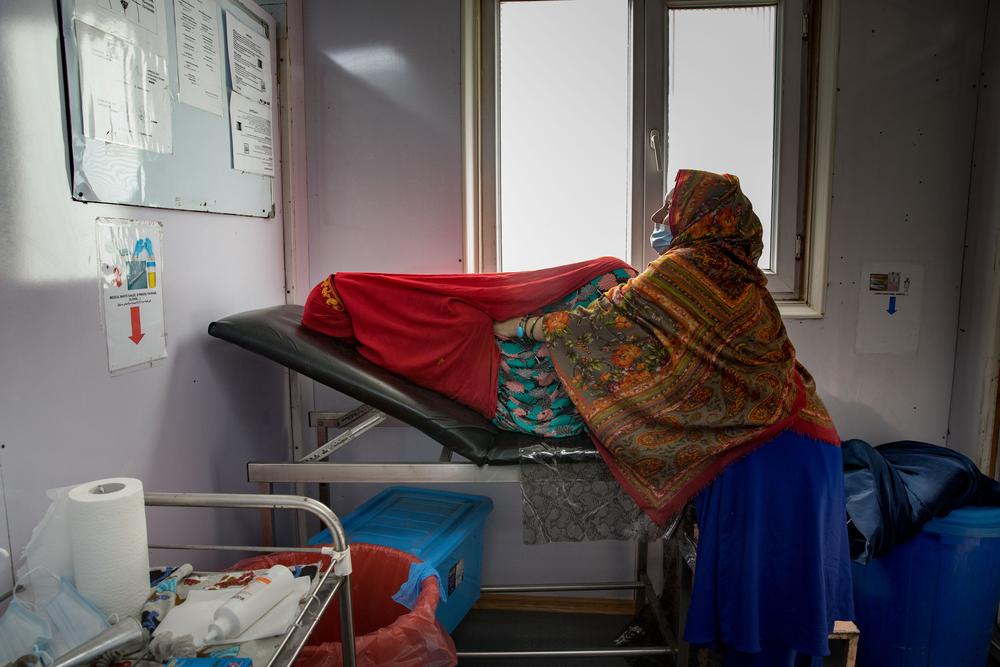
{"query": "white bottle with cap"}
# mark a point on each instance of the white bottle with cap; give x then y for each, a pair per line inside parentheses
(246, 607)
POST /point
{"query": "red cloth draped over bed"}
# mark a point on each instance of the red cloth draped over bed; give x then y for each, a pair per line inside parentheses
(437, 330)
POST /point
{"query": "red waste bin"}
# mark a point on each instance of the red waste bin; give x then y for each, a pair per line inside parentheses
(387, 633)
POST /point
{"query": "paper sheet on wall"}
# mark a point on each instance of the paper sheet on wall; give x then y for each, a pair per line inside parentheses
(141, 22)
(249, 60)
(199, 72)
(131, 267)
(253, 146)
(124, 91)
(889, 306)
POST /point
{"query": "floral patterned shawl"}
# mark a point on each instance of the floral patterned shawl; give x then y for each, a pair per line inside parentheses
(687, 367)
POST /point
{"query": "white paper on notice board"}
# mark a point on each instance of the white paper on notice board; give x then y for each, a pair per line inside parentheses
(124, 91)
(253, 145)
(889, 306)
(141, 22)
(199, 71)
(249, 60)
(131, 267)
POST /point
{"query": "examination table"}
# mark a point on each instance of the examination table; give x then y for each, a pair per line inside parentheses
(492, 455)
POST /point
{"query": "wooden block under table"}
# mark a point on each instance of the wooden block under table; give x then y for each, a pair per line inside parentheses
(848, 632)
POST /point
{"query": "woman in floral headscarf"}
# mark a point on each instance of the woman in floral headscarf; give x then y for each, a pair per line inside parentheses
(689, 385)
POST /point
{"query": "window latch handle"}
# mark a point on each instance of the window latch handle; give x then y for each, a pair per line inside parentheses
(656, 144)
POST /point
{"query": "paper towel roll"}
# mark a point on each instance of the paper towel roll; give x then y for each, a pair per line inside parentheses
(108, 534)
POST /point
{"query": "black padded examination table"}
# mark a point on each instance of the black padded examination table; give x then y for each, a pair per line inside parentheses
(493, 454)
(277, 333)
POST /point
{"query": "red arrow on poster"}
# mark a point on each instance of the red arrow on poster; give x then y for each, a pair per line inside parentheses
(136, 326)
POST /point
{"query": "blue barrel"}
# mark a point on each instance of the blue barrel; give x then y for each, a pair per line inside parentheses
(933, 600)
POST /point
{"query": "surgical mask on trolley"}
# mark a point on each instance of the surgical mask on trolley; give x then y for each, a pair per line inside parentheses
(71, 618)
(23, 632)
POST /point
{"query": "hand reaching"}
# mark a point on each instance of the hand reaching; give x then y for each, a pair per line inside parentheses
(507, 328)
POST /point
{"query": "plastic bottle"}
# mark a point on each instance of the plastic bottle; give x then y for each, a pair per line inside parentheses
(246, 607)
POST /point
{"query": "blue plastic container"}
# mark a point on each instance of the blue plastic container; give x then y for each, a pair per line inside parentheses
(933, 600)
(440, 528)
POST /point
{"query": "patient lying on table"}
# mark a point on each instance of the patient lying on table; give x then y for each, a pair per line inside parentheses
(676, 372)
(687, 382)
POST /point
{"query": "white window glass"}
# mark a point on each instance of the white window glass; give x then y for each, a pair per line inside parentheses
(563, 132)
(721, 100)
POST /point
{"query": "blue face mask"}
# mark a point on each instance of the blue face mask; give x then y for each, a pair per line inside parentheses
(660, 238)
(71, 618)
(23, 632)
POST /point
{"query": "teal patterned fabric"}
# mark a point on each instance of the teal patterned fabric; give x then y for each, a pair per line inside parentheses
(530, 398)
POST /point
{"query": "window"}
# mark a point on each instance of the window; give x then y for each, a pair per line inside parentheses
(720, 106)
(580, 112)
(563, 120)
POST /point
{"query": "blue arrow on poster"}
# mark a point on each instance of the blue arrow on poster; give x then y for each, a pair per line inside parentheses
(892, 305)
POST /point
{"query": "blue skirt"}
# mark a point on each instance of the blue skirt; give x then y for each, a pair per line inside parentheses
(773, 570)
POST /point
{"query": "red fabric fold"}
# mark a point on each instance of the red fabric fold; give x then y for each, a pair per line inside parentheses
(437, 330)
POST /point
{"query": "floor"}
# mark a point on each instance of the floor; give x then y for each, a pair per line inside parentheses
(503, 630)
(484, 630)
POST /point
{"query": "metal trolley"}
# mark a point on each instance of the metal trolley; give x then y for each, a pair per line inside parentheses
(679, 548)
(335, 579)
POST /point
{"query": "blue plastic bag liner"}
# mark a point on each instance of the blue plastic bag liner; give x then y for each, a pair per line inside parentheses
(410, 590)
(893, 490)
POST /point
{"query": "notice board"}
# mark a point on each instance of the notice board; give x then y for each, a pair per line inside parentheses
(172, 103)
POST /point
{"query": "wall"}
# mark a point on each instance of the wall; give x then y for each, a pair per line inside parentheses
(384, 170)
(976, 364)
(188, 424)
(905, 117)
(384, 181)
(383, 125)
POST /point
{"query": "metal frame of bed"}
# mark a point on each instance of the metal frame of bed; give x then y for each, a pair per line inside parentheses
(314, 469)
(492, 456)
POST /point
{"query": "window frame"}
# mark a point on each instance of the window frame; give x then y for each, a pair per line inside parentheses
(799, 284)
(790, 57)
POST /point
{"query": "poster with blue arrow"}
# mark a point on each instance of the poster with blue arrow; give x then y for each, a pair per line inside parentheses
(889, 305)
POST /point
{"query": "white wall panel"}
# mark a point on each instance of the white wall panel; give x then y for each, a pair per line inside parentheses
(976, 369)
(905, 116)
(188, 424)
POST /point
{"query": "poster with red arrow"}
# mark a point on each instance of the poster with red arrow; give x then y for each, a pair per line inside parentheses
(131, 267)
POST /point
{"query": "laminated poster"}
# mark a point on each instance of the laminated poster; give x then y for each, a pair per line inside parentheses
(131, 267)
(889, 306)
